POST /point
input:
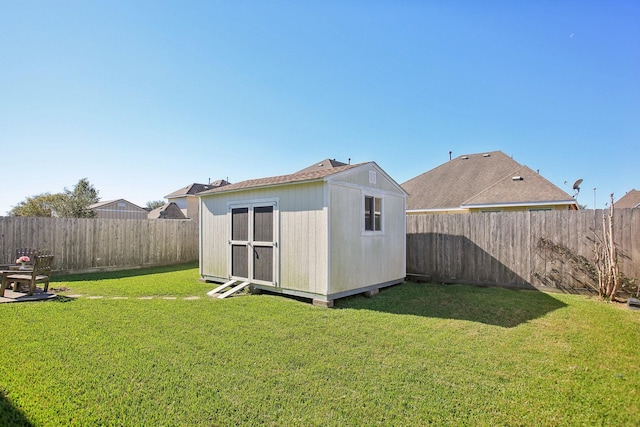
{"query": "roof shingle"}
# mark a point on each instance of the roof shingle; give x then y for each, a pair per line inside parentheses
(480, 179)
(629, 200)
(297, 177)
(196, 188)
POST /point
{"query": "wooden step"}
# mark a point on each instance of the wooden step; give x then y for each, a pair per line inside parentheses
(234, 290)
(221, 287)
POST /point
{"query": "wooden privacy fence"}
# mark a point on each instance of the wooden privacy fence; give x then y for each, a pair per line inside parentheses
(539, 250)
(87, 244)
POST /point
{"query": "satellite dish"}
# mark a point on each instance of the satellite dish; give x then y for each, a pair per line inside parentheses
(576, 187)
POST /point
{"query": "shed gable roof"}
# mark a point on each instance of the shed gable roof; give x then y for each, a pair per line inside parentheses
(480, 179)
(298, 177)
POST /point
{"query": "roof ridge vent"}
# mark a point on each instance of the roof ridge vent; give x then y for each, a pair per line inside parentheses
(517, 178)
(486, 155)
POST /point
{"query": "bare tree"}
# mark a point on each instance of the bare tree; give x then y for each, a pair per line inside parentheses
(606, 258)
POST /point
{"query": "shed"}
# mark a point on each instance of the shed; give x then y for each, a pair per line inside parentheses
(322, 234)
(118, 209)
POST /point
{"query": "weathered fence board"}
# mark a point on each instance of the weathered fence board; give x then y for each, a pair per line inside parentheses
(86, 244)
(519, 249)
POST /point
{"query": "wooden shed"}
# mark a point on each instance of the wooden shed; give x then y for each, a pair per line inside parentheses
(322, 233)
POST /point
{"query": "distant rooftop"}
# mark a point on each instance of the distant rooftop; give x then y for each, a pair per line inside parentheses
(629, 200)
(196, 188)
(480, 179)
(324, 164)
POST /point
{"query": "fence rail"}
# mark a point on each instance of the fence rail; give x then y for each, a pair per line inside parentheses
(519, 249)
(87, 244)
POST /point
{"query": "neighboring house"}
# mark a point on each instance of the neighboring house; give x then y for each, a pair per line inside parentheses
(322, 234)
(186, 199)
(485, 182)
(118, 209)
(167, 211)
(325, 164)
(631, 200)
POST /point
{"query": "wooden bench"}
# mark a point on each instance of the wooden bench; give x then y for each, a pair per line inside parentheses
(41, 273)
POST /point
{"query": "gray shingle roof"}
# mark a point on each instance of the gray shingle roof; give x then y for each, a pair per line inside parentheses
(298, 177)
(196, 188)
(480, 179)
(629, 200)
(324, 164)
(167, 211)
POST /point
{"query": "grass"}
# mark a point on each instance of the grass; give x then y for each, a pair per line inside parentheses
(178, 281)
(416, 354)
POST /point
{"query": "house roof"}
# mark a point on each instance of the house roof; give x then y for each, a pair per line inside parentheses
(167, 211)
(297, 177)
(478, 180)
(108, 202)
(324, 164)
(630, 200)
(196, 188)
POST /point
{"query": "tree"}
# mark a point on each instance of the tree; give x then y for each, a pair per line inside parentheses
(74, 204)
(42, 205)
(606, 258)
(151, 205)
(69, 204)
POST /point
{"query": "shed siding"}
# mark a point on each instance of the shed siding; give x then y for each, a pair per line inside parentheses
(360, 177)
(302, 215)
(214, 235)
(360, 259)
(192, 207)
(304, 241)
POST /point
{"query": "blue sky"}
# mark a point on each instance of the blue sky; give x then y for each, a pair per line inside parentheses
(145, 97)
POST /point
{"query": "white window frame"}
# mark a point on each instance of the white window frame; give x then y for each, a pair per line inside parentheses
(374, 197)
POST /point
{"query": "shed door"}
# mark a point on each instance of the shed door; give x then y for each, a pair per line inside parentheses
(253, 244)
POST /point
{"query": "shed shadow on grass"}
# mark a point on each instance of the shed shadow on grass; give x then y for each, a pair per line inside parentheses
(10, 415)
(507, 308)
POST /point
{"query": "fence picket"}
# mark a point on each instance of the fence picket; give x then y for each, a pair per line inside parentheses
(87, 244)
(519, 249)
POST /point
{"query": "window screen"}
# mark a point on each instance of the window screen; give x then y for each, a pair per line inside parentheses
(372, 213)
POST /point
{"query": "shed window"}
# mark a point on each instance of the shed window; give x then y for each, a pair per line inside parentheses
(372, 213)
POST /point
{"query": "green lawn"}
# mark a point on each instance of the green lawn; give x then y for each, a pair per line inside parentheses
(416, 354)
